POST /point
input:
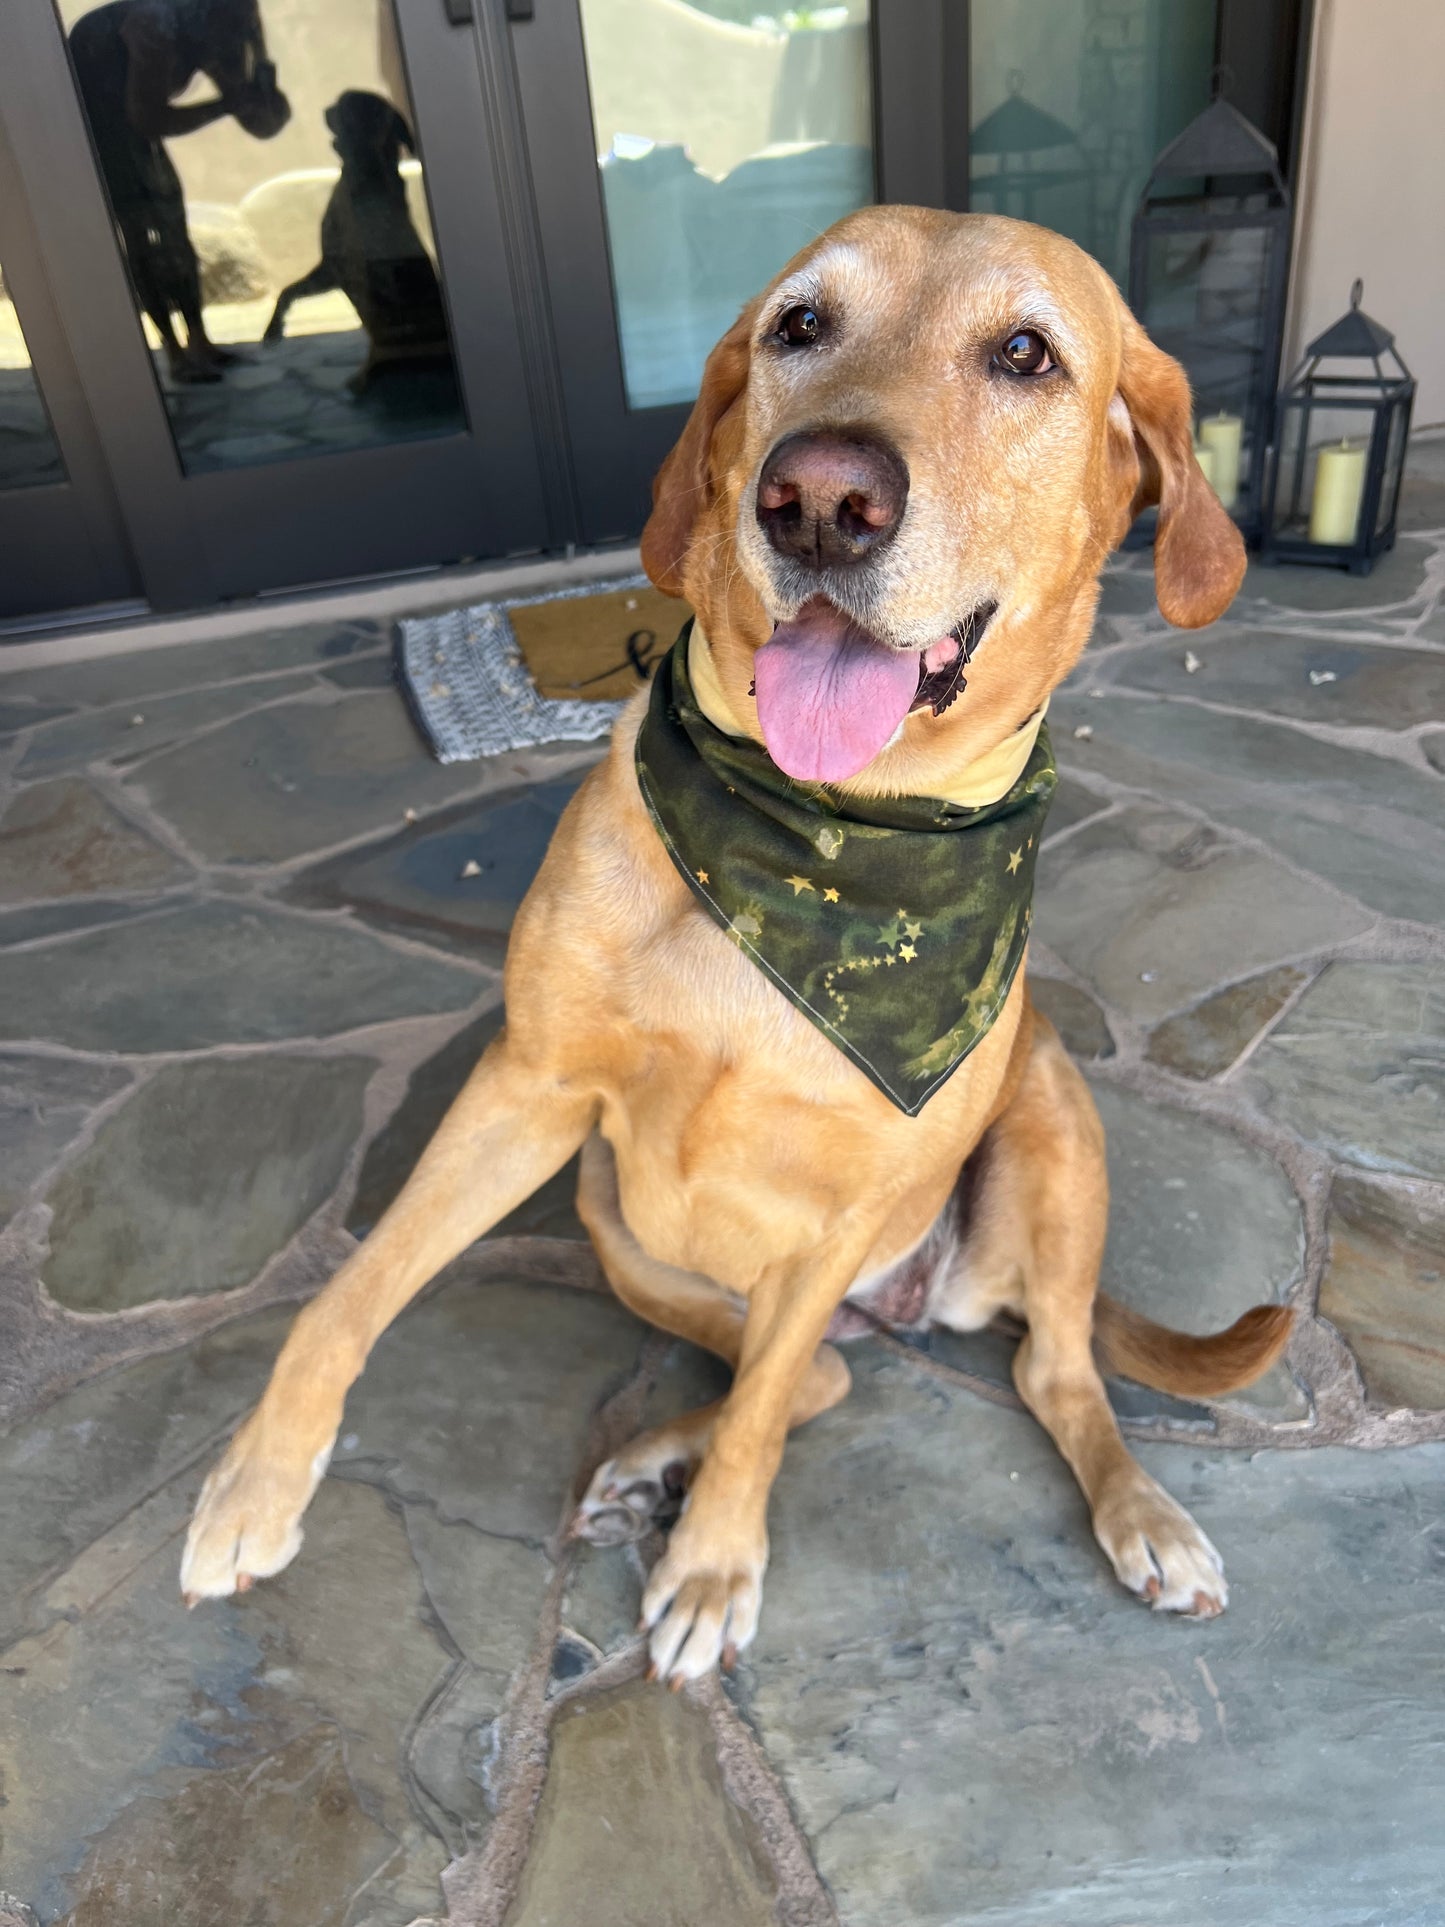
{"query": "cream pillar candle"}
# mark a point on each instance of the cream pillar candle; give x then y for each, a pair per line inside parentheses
(1339, 484)
(1221, 435)
(1205, 458)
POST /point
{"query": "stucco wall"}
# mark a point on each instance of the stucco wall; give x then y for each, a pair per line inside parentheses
(1373, 182)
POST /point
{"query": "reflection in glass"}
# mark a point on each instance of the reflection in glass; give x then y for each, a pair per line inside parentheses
(1069, 104)
(29, 454)
(727, 136)
(260, 163)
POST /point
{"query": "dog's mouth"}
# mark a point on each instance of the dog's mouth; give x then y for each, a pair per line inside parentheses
(831, 694)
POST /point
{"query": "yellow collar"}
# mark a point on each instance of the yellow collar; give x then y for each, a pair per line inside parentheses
(974, 787)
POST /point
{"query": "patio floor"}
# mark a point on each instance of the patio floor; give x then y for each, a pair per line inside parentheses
(242, 971)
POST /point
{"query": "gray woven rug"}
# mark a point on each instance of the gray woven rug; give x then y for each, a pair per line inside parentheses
(467, 686)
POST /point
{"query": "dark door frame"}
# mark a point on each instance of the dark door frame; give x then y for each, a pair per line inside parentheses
(203, 538)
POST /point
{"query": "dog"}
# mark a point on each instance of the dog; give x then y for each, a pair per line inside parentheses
(369, 247)
(928, 426)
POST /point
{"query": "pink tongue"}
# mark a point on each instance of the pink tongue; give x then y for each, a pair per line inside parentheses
(829, 695)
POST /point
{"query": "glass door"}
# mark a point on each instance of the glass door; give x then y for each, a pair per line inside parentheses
(681, 152)
(282, 220)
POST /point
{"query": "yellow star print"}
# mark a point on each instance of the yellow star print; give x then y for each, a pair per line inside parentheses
(703, 877)
(912, 930)
(800, 884)
(1016, 857)
(907, 952)
(830, 895)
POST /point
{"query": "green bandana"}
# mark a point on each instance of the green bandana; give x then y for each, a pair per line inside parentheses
(895, 924)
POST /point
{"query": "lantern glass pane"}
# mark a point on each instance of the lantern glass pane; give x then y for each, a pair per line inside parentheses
(1323, 462)
(1394, 467)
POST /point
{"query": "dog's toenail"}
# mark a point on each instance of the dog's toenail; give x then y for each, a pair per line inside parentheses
(730, 1657)
(651, 1673)
(244, 1581)
(190, 1600)
(1151, 1589)
(674, 1478)
(676, 1683)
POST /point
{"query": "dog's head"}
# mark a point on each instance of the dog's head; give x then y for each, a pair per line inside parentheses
(927, 434)
(364, 127)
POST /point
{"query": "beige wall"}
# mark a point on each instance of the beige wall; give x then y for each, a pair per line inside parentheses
(1372, 192)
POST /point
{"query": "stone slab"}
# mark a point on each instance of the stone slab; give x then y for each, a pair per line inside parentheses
(1155, 909)
(634, 1817)
(1205, 1041)
(1397, 577)
(217, 973)
(25, 715)
(124, 734)
(1371, 685)
(1384, 1287)
(45, 1103)
(973, 1722)
(480, 1399)
(1201, 1227)
(201, 1178)
(125, 676)
(392, 1154)
(362, 672)
(1372, 827)
(302, 776)
(65, 914)
(1072, 804)
(1074, 1015)
(1357, 1066)
(417, 883)
(62, 839)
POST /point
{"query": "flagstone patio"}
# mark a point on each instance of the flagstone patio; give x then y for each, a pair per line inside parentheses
(242, 972)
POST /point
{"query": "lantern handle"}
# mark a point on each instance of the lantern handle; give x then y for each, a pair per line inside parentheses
(1357, 292)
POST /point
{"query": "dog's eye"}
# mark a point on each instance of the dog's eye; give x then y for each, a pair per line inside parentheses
(1025, 353)
(799, 327)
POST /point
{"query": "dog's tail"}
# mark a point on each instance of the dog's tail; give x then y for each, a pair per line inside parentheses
(1135, 1347)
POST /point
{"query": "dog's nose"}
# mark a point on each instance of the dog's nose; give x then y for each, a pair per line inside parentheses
(831, 496)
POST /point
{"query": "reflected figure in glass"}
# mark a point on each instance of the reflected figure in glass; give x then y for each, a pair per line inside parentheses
(370, 249)
(132, 61)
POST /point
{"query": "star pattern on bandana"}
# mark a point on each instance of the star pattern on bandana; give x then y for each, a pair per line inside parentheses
(800, 884)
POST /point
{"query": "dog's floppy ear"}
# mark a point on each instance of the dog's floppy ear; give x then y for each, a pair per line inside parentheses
(682, 487)
(1198, 551)
(400, 132)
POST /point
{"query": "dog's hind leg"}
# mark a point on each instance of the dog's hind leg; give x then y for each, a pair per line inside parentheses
(513, 1126)
(1034, 1242)
(643, 1484)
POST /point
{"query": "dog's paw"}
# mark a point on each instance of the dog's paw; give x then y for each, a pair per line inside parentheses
(1158, 1551)
(247, 1522)
(643, 1487)
(701, 1603)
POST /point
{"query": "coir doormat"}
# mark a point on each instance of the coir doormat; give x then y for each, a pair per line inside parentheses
(543, 669)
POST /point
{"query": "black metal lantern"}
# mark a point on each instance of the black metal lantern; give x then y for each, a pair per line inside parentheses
(1208, 275)
(1339, 448)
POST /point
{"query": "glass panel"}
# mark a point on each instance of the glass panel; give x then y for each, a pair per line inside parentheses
(29, 453)
(1070, 102)
(1205, 301)
(728, 135)
(260, 161)
(1323, 464)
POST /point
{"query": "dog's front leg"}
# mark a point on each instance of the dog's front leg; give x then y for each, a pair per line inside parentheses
(511, 1128)
(703, 1597)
